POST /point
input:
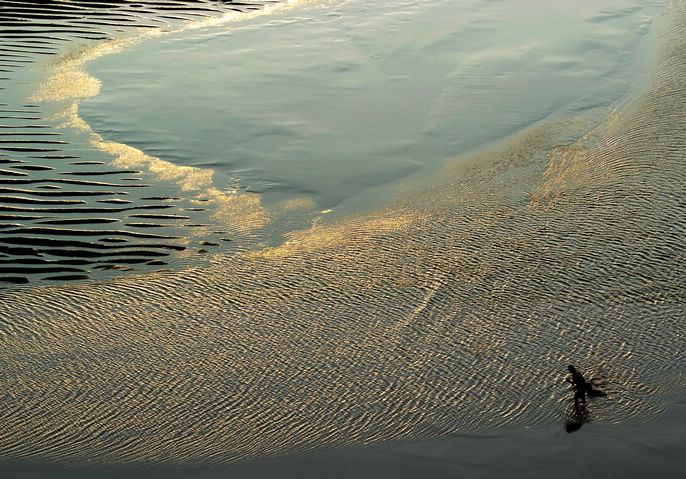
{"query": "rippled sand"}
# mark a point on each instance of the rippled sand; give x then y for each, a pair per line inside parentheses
(456, 309)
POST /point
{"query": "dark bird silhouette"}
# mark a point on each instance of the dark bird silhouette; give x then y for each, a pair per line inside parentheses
(579, 385)
(582, 387)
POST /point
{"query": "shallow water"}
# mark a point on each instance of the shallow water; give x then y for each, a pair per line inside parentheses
(322, 107)
(448, 302)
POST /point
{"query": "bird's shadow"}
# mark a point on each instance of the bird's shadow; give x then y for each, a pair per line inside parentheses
(577, 418)
(578, 415)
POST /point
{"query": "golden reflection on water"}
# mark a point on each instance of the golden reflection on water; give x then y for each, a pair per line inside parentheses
(188, 178)
(303, 203)
(243, 212)
(456, 310)
(319, 237)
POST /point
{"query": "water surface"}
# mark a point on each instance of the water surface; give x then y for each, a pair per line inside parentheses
(326, 106)
(507, 186)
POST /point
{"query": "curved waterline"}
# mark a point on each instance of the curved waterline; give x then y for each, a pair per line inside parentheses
(69, 84)
(56, 170)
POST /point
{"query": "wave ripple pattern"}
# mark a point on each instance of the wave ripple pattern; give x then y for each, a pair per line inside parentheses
(455, 310)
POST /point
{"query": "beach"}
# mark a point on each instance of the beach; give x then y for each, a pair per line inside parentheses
(342, 239)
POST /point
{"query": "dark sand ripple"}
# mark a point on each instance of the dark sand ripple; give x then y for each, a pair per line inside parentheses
(30, 147)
